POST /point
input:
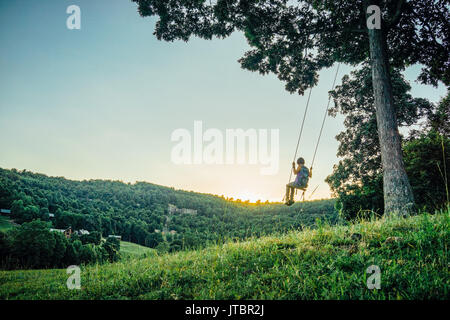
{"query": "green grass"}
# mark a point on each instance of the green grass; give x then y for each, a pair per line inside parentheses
(5, 223)
(133, 250)
(325, 263)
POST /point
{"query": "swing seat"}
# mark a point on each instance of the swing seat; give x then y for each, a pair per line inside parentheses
(303, 188)
(290, 203)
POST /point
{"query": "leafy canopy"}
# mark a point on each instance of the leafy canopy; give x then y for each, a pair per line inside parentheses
(296, 39)
(357, 179)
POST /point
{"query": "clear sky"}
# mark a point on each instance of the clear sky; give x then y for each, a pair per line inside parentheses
(103, 101)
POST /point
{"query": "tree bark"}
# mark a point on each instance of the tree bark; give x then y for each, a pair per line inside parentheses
(398, 196)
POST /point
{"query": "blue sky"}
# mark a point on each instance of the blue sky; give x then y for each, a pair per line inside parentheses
(102, 102)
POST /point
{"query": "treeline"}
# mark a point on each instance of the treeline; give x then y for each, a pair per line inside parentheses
(139, 212)
(33, 245)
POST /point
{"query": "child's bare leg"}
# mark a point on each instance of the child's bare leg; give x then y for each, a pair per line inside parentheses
(291, 198)
(286, 197)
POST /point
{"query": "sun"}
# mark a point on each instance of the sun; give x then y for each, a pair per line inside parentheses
(247, 195)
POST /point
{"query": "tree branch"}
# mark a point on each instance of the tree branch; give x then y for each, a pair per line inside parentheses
(397, 15)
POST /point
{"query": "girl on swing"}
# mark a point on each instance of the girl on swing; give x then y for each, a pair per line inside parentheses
(301, 180)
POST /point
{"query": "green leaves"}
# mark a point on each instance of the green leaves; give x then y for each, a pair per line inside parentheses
(357, 178)
(280, 31)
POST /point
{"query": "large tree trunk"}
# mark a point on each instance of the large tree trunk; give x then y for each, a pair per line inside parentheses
(398, 197)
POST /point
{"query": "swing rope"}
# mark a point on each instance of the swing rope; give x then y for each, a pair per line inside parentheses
(325, 116)
(321, 129)
(301, 131)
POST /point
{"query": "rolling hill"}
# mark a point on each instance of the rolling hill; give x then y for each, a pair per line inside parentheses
(329, 262)
(141, 212)
(5, 223)
(133, 250)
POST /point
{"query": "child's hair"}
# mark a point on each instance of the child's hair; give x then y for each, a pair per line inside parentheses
(300, 161)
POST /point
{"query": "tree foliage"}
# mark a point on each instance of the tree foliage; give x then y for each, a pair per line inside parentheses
(296, 39)
(427, 161)
(139, 213)
(33, 245)
(357, 178)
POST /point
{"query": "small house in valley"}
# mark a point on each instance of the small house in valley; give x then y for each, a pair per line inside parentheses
(82, 232)
(173, 209)
(67, 232)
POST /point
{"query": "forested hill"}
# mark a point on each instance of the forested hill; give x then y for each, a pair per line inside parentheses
(140, 212)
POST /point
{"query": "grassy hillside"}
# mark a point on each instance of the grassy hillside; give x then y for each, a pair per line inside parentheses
(133, 250)
(5, 223)
(329, 262)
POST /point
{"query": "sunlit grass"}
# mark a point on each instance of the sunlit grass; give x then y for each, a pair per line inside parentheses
(133, 250)
(5, 223)
(329, 262)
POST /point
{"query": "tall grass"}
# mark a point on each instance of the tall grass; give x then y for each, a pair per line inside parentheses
(328, 262)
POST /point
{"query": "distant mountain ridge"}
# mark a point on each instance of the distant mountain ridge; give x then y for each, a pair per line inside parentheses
(137, 211)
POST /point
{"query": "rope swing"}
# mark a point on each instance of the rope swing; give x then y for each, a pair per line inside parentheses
(301, 131)
(321, 128)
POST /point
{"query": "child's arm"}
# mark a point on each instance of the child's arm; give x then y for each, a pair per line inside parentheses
(296, 171)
